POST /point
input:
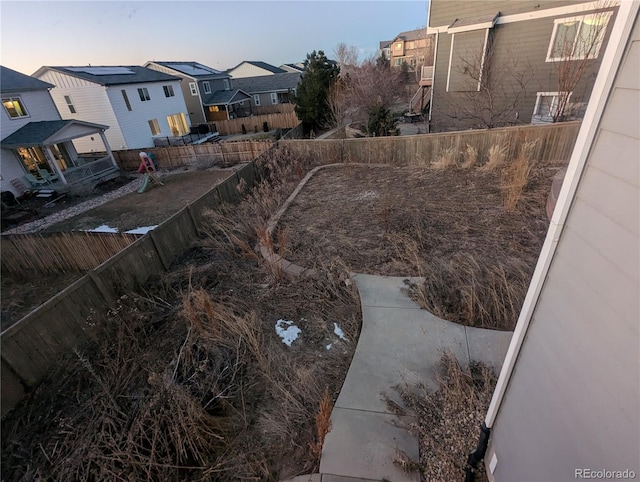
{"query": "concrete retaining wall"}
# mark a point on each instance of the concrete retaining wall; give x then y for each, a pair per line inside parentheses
(33, 345)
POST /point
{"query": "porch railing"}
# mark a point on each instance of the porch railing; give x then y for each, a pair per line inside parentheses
(90, 170)
(426, 74)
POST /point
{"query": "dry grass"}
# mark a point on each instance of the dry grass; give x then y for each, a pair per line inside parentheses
(447, 422)
(496, 157)
(445, 160)
(516, 175)
(190, 381)
(470, 157)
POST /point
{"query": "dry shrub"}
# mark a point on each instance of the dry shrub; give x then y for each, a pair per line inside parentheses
(447, 422)
(516, 175)
(473, 291)
(323, 424)
(496, 156)
(470, 157)
(445, 160)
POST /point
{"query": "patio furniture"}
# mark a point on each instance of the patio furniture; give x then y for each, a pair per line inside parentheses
(19, 186)
(44, 174)
(33, 181)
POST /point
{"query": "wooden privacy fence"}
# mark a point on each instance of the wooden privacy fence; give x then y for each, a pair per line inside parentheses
(552, 142)
(66, 252)
(200, 155)
(33, 345)
(285, 120)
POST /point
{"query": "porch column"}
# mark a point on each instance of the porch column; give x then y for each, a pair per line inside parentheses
(106, 145)
(52, 161)
(226, 107)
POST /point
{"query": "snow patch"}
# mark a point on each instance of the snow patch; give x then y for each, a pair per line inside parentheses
(328, 347)
(142, 230)
(288, 334)
(338, 331)
(103, 229)
(363, 196)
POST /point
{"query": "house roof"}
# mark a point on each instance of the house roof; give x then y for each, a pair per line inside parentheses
(412, 34)
(225, 97)
(194, 70)
(113, 75)
(13, 81)
(268, 83)
(297, 67)
(385, 44)
(38, 133)
(261, 65)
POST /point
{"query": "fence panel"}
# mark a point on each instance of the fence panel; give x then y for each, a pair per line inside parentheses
(255, 123)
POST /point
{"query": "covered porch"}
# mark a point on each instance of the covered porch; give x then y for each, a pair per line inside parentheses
(227, 104)
(46, 154)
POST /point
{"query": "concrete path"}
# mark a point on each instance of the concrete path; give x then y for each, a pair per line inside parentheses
(399, 342)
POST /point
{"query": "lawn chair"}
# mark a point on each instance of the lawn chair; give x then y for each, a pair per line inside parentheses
(19, 186)
(44, 174)
(33, 181)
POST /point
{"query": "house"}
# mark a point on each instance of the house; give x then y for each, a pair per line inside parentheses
(384, 48)
(250, 68)
(269, 89)
(414, 48)
(504, 63)
(296, 67)
(208, 93)
(136, 103)
(567, 402)
(38, 145)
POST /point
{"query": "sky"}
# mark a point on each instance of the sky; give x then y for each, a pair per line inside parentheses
(220, 34)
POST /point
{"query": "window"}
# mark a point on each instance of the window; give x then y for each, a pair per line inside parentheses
(412, 45)
(144, 94)
(154, 126)
(227, 86)
(546, 107)
(399, 61)
(168, 90)
(577, 38)
(398, 45)
(126, 99)
(256, 99)
(207, 87)
(72, 109)
(178, 124)
(193, 88)
(15, 108)
(274, 98)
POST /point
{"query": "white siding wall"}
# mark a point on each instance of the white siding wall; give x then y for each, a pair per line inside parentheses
(573, 399)
(91, 104)
(39, 106)
(135, 123)
(10, 168)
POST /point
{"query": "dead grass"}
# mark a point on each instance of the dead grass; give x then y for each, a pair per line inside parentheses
(190, 381)
(470, 157)
(447, 422)
(496, 157)
(516, 175)
(445, 159)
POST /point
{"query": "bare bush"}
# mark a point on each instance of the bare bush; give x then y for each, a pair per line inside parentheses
(496, 157)
(470, 157)
(445, 160)
(516, 175)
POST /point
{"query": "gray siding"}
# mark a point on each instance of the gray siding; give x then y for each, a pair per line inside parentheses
(466, 61)
(517, 70)
(444, 12)
(39, 106)
(572, 401)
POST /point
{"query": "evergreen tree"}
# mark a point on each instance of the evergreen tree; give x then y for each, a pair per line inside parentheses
(319, 75)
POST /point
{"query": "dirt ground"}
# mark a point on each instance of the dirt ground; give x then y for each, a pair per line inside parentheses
(150, 208)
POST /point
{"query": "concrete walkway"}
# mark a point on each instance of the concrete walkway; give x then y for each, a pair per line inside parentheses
(399, 342)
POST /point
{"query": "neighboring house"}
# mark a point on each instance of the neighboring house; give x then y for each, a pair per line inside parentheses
(567, 402)
(296, 67)
(250, 68)
(502, 63)
(37, 145)
(269, 89)
(414, 47)
(136, 103)
(384, 48)
(208, 93)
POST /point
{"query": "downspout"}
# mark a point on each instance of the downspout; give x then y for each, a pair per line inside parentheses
(602, 87)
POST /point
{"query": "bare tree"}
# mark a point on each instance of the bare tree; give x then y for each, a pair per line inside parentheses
(346, 56)
(337, 100)
(575, 46)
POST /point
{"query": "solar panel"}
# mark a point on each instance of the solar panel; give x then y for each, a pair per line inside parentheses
(194, 69)
(102, 70)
